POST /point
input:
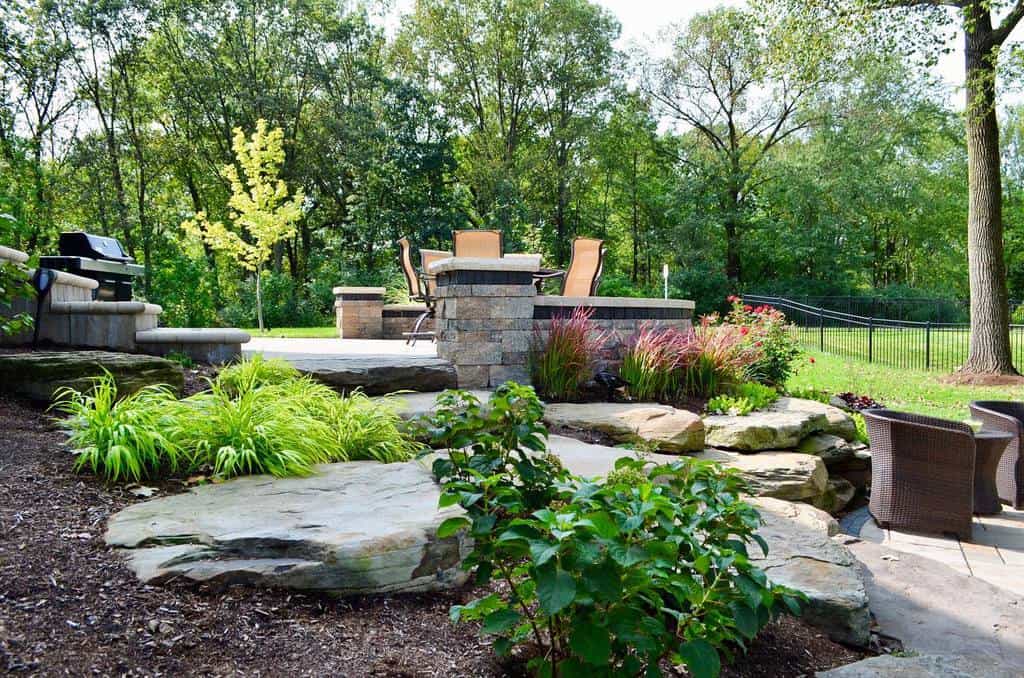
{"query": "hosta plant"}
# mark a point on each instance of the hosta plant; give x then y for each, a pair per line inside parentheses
(123, 437)
(600, 578)
(561, 360)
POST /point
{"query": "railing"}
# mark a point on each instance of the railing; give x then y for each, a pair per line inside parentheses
(905, 344)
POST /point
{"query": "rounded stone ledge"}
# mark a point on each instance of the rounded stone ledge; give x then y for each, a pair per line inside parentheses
(192, 335)
(527, 263)
(72, 280)
(105, 307)
(11, 254)
(618, 302)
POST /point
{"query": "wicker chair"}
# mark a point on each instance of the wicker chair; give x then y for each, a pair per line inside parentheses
(585, 267)
(479, 243)
(1006, 416)
(420, 289)
(922, 472)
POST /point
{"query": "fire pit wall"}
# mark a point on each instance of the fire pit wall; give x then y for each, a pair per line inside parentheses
(488, 310)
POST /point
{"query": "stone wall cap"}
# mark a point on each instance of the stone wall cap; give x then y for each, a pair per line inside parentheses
(72, 280)
(192, 335)
(528, 263)
(359, 290)
(105, 307)
(11, 254)
(405, 307)
(619, 302)
(444, 253)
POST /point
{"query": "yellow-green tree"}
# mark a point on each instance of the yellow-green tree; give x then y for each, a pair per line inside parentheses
(261, 211)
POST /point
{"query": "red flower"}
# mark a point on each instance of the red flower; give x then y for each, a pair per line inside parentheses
(732, 298)
(748, 308)
(812, 360)
(744, 330)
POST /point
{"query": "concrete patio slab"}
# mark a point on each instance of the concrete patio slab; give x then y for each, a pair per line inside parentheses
(272, 347)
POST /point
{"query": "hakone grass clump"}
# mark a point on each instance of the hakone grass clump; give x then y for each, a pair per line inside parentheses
(256, 417)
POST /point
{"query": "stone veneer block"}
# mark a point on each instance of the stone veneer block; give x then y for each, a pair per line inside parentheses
(359, 312)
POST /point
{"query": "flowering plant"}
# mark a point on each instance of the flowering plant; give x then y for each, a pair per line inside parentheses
(765, 328)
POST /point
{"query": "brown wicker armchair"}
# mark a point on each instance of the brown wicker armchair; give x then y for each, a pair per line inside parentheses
(922, 472)
(1006, 416)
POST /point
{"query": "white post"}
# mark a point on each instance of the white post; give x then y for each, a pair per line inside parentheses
(664, 277)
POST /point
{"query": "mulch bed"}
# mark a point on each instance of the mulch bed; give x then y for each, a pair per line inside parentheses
(68, 604)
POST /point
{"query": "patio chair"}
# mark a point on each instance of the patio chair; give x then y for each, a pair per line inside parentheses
(585, 267)
(419, 290)
(1006, 416)
(428, 257)
(479, 243)
(922, 472)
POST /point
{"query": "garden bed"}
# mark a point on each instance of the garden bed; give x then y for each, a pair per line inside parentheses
(67, 604)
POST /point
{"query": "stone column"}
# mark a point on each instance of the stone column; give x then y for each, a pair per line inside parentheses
(358, 312)
(485, 317)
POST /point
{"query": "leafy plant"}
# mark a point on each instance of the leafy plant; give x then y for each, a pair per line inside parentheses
(129, 437)
(743, 399)
(862, 427)
(809, 393)
(735, 406)
(766, 329)
(562, 359)
(254, 372)
(362, 428)
(13, 285)
(183, 359)
(603, 578)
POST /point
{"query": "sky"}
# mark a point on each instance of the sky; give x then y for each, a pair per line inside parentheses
(642, 19)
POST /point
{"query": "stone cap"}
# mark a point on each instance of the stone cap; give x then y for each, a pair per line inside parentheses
(105, 307)
(72, 280)
(527, 263)
(443, 253)
(11, 254)
(619, 302)
(405, 307)
(359, 290)
(192, 335)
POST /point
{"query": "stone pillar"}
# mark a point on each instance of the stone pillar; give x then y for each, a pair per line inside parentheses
(358, 312)
(485, 317)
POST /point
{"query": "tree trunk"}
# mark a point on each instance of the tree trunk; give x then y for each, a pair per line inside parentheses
(733, 269)
(990, 333)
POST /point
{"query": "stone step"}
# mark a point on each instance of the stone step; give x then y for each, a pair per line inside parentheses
(204, 344)
(38, 374)
(377, 375)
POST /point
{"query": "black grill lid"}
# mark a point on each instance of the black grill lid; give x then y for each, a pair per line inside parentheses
(80, 244)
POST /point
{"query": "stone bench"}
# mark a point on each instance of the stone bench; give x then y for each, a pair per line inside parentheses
(208, 345)
(99, 324)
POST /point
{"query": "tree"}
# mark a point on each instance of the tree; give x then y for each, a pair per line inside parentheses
(724, 82)
(986, 26)
(260, 207)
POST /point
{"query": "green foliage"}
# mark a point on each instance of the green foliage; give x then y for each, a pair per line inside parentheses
(257, 417)
(604, 578)
(183, 359)
(765, 328)
(810, 393)
(562, 359)
(651, 362)
(862, 427)
(126, 438)
(13, 285)
(251, 373)
(743, 399)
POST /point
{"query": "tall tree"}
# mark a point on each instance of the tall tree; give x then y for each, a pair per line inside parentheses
(986, 26)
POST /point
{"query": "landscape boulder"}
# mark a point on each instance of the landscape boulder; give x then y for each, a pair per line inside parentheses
(837, 495)
(352, 528)
(37, 374)
(803, 555)
(925, 666)
(783, 475)
(839, 422)
(378, 375)
(763, 430)
(665, 427)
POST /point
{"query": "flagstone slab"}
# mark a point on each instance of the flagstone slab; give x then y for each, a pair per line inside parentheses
(665, 427)
(783, 475)
(763, 430)
(353, 528)
(38, 374)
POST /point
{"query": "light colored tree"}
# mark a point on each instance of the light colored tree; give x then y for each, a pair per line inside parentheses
(261, 211)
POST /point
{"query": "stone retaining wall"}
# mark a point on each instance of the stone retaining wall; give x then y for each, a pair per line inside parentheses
(398, 319)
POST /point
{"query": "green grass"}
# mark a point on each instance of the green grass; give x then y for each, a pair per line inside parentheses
(297, 333)
(905, 389)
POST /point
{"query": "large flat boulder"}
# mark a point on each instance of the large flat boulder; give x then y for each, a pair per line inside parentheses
(764, 430)
(803, 555)
(665, 427)
(839, 422)
(377, 375)
(783, 475)
(925, 666)
(353, 528)
(38, 374)
(415, 405)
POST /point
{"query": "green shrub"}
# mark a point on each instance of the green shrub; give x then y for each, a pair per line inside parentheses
(562, 359)
(250, 373)
(128, 438)
(736, 406)
(811, 393)
(363, 429)
(183, 359)
(765, 329)
(862, 427)
(599, 578)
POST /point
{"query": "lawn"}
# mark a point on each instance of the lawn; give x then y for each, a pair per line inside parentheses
(297, 333)
(912, 390)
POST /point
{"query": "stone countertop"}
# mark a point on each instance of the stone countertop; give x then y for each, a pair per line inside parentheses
(359, 290)
(618, 302)
(529, 263)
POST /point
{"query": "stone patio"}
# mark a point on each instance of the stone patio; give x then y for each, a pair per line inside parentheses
(995, 555)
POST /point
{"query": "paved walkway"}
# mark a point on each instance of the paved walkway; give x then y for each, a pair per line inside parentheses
(995, 554)
(287, 348)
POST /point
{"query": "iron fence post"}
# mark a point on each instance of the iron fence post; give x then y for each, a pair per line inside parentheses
(821, 329)
(928, 345)
(871, 339)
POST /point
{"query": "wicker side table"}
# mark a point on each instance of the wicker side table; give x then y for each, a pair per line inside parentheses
(990, 446)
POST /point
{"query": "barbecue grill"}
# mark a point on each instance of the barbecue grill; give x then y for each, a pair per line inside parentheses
(97, 257)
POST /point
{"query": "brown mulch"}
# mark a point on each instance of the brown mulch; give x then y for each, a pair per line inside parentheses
(966, 379)
(69, 606)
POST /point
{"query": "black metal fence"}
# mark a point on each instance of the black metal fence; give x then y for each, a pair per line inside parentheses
(899, 343)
